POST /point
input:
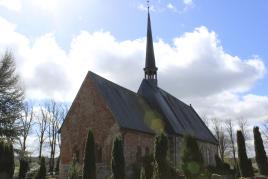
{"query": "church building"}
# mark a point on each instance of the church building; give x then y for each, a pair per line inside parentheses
(109, 109)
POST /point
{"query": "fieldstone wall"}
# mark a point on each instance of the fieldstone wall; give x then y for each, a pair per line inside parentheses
(208, 151)
(135, 141)
(88, 110)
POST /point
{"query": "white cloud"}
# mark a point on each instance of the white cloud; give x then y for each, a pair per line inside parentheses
(170, 6)
(195, 68)
(188, 2)
(187, 5)
(14, 5)
(227, 105)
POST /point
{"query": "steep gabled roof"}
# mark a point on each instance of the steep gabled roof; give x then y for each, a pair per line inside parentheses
(151, 110)
(130, 110)
(181, 118)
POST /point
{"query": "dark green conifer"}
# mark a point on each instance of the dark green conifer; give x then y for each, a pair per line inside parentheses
(7, 164)
(118, 160)
(74, 170)
(89, 169)
(192, 161)
(261, 157)
(24, 167)
(245, 168)
(41, 173)
(161, 167)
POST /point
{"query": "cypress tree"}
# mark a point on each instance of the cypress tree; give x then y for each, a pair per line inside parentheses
(73, 170)
(7, 164)
(89, 169)
(261, 157)
(161, 167)
(118, 161)
(10, 160)
(41, 173)
(24, 167)
(246, 169)
(192, 161)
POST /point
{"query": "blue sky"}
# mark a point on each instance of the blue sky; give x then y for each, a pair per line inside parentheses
(54, 42)
(240, 25)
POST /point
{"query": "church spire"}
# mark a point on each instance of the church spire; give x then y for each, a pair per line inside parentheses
(150, 69)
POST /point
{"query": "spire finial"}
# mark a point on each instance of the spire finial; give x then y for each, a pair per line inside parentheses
(148, 5)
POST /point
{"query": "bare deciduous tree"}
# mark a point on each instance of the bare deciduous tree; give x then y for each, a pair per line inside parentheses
(26, 123)
(221, 137)
(265, 132)
(231, 134)
(42, 125)
(56, 112)
(206, 120)
(243, 125)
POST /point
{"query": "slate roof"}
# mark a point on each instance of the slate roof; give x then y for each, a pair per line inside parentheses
(182, 118)
(151, 109)
(149, 59)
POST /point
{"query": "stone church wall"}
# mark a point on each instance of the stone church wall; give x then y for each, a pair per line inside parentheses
(87, 111)
(208, 151)
(136, 145)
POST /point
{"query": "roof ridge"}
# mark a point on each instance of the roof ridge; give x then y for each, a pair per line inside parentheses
(161, 90)
(113, 83)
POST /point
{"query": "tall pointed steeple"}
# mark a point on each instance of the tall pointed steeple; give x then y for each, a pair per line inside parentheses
(150, 70)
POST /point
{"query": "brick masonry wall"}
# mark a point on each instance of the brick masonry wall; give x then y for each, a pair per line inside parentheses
(88, 110)
(133, 140)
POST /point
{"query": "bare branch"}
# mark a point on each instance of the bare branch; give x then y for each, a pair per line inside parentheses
(231, 134)
(26, 123)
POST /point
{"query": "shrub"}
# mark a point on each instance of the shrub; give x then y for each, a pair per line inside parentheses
(41, 173)
(261, 157)
(147, 164)
(31, 174)
(74, 170)
(89, 169)
(221, 167)
(24, 168)
(192, 161)
(161, 166)
(118, 161)
(57, 168)
(7, 164)
(244, 163)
